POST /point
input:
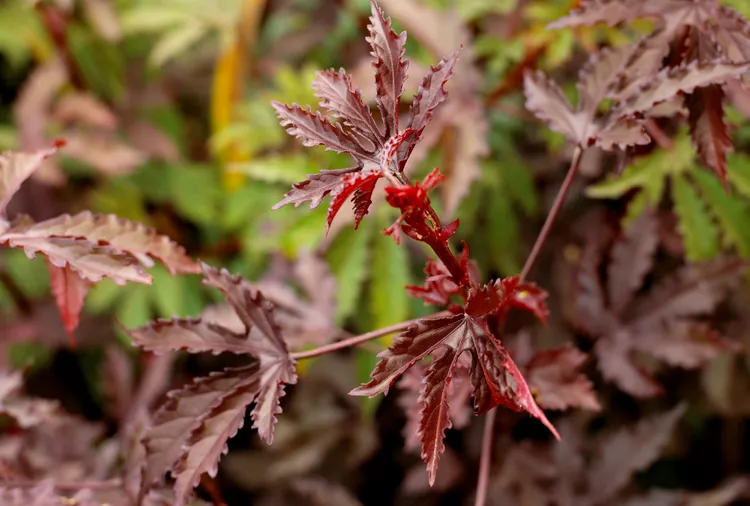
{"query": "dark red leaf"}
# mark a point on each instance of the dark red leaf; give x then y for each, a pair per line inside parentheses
(317, 130)
(708, 129)
(631, 259)
(70, 291)
(435, 417)
(389, 65)
(431, 93)
(554, 375)
(314, 188)
(337, 94)
(361, 184)
(495, 378)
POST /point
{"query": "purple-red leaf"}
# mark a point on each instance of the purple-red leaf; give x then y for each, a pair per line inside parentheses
(208, 443)
(434, 416)
(361, 184)
(313, 189)
(70, 291)
(546, 100)
(708, 129)
(389, 65)
(686, 344)
(176, 421)
(631, 259)
(495, 378)
(630, 450)
(558, 384)
(15, 168)
(431, 93)
(127, 236)
(672, 81)
(337, 94)
(315, 129)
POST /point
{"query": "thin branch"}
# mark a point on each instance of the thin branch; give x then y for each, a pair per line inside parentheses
(354, 341)
(485, 459)
(553, 212)
(489, 421)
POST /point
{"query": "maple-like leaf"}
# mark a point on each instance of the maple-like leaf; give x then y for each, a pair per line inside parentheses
(375, 150)
(15, 168)
(708, 129)
(337, 94)
(630, 450)
(546, 100)
(672, 81)
(182, 415)
(494, 376)
(458, 396)
(91, 247)
(611, 12)
(631, 259)
(557, 383)
(655, 323)
(315, 129)
(389, 65)
(89, 261)
(260, 338)
(69, 290)
(430, 94)
(213, 408)
(208, 443)
(361, 184)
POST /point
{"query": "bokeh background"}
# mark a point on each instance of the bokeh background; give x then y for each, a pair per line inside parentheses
(165, 109)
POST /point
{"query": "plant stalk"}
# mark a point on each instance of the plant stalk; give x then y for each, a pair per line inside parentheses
(553, 212)
(489, 421)
(354, 341)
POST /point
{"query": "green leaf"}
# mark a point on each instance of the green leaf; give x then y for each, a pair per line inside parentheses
(30, 275)
(195, 192)
(365, 361)
(176, 41)
(502, 234)
(390, 275)
(135, 309)
(637, 205)
(518, 183)
(648, 172)
(699, 233)
(103, 296)
(98, 60)
(278, 169)
(733, 214)
(152, 18)
(738, 172)
(349, 257)
(31, 355)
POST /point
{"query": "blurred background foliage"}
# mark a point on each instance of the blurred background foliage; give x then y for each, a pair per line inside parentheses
(168, 106)
(165, 106)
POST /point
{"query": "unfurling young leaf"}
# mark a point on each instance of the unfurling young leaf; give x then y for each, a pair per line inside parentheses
(212, 409)
(378, 151)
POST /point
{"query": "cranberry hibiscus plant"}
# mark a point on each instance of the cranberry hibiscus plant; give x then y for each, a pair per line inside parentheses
(620, 90)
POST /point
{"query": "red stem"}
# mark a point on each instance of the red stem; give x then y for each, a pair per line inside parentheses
(485, 459)
(489, 422)
(353, 341)
(553, 212)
